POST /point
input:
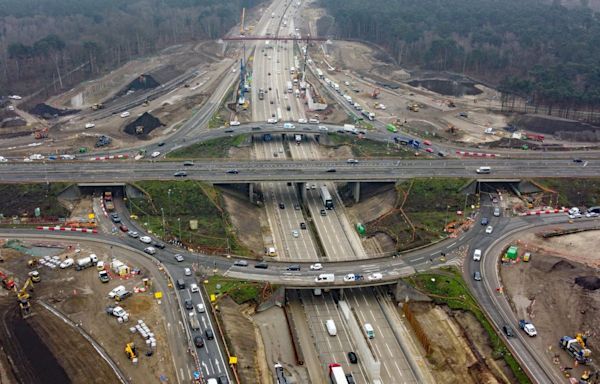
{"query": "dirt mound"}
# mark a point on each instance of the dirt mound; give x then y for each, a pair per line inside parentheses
(47, 112)
(141, 82)
(143, 125)
(562, 265)
(561, 128)
(447, 87)
(588, 282)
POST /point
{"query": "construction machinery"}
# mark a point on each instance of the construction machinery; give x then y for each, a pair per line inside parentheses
(42, 133)
(35, 276)
(130, 351)
(413, 107)
(23, 298)
(576, 348)
(375, 93)
(7, 281)
(97, 106)
(32, 263)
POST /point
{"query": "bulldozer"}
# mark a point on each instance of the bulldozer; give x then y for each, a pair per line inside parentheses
(413, 107)
(97, 106)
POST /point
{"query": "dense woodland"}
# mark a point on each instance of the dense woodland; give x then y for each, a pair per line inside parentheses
(53, 44)
(540, 50)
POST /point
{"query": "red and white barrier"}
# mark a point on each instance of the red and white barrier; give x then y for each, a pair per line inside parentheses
(111, 157)
(103, 207)
(545, 212)
(475, 154)
(67, 229)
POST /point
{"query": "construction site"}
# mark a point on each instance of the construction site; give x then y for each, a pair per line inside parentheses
(55, 310)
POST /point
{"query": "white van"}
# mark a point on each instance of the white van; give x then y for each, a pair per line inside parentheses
(331, 329)
(369, 331)
(484, 170)
(116, 291)
(325, 278)
(100, 265)
(288, 126)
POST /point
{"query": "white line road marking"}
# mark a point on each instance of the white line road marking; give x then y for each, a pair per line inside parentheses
(451, 245)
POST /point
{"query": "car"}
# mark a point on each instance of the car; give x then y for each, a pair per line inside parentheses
(256, 128)
(330, 170)
(485, 221)
(352, 357)
(295, 233)
(261, 265)
(314, 186)
(209, 334)
(160, 144)
(281, 206)
(36, 156)
(198, 341)
(323, 128)
(188, 304)
(297, 207)
(302, 225)
(316, 267)
(125, 114)
(477, 276)
(67, 157)
(155, 154)
(234, 123)
(200, 308)
(146, 239)
(133, 234)
(115, 218)
(233, 171)
(178, 257)
(578, 160)
(194, 288)
(429, 150)
(240, 263)
(66, 263)
(180, 284)
(508, 330)
(188, 163)
(426, 142)
(293, 267)
(123, 228)
(288, 108)
(477, 255)
(349, 277)
(222, 380)
(271, 120)
(150, 250)
(302, 121)
(489, 229)
(89, 125)
(497, 212)
(180, 174)
(350, 378)
(158, 245)
(375, 276)
(592, 214)
(352, 161)
(187, 272)
(323, 212)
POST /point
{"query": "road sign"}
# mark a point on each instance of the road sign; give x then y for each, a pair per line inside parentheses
(196, 375)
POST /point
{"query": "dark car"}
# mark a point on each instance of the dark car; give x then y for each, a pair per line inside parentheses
(180, 284)
(485, 221)
(209, 334)
(188, 304)
(302, 225)
(115, 218)
(161, 144)
(477, 276)
(281, 206)
(180, 174)
(508, 331)
(323, 212)
(229, 131)
(288, 108)
(261, 265)
(159, 245)
(352, 357)
(233, 171)
(350, 379)
(188, 163)
(199, 341)
(222, 380)
(294, 267)
(256, 128)
(577, 160)
(331, 170)
(123, 228)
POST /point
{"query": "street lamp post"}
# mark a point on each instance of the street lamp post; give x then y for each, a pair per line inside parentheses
(179, 223)
(170, 210)
(162, 211)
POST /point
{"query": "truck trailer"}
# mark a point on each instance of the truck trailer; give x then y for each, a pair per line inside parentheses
(86, 262)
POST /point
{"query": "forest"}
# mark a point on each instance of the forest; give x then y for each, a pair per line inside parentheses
(50, 45)
(541, 51)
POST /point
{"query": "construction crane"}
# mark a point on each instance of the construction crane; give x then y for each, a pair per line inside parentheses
(242, 25)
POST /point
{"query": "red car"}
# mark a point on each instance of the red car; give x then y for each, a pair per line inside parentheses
(123, 228)
(426, 142)
(429, 150)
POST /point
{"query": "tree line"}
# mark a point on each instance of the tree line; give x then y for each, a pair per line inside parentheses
(540, 51)
(63, 42)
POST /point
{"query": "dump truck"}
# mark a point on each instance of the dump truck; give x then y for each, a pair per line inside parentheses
(86, 262)
(527, 327)
(576, 349)
(108, 201)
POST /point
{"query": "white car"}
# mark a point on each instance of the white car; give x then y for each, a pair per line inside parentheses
(375, 276)
(155, 154)
(589, 214)
(67, 157)
(125, 114)
(200, 308)
(90, 125)
(15, 97)
(477, 255)
(295, 233)
(67, 263)
(349, 277)
(323, 128)
(187, 272)
(146, 239)
(234, 123)
(271, 120)
(302, 121)
(489, 229)
(316, 267)
(194, 288)
(3, 159)
(36, 156)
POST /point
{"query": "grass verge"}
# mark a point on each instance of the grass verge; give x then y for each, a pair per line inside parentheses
(574, 192)
(210, 149)
(239, 290)
(22, 200)
(450, 289)
(369, 148)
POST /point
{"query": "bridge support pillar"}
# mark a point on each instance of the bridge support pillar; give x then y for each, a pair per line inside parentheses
(302, 187)
(356, 191)
(251, 192)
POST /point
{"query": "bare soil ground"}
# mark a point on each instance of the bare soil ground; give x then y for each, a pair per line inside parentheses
(82, 297)
(544, 290)
(244, 217)
(241, 336)
(457, 339)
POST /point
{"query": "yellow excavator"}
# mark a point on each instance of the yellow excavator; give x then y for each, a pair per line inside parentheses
(130, 351)
(23, 298)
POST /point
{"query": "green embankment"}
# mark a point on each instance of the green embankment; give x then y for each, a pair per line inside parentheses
(22, 199)
(210, 149)
(369, 148)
